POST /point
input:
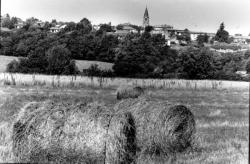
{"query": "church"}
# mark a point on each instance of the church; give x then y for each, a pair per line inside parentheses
(146, 18)
(169, 32)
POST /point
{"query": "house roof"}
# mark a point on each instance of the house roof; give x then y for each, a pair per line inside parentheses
(128, 28)
(121, 32)
(58, 27)
(241, 37)
(163, 26)
(54, 28)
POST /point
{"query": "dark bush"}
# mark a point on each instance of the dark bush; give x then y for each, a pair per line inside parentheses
(94, 70)
(247, 54)
(59, 61)
(13, 66)
(248, 66)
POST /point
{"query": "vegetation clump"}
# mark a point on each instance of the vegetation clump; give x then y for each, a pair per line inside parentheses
(124, 92)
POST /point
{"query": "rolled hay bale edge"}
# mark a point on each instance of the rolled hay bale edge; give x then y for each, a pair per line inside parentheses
(161, 127)
(122, 130)
(66, 133)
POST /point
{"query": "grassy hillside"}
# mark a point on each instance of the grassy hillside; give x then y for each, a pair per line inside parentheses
(222, 118)
(81, 64)
(4, 61)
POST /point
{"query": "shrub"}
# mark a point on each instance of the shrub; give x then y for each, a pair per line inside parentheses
(247, 54)
(58, 59)
(124, 92)
(195, 63)
(94, 70)
(13, 66)
(248, 66)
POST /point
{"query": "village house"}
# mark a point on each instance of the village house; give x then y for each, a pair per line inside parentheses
(57, 28)
(241, 39)
(194, 35)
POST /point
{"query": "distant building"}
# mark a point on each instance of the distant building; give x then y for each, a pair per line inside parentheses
(96, 27)
(146, 18)
(241, 39)
(238, 35)
(19, 25)
(194, 35)
(57, 28)
(162, 29)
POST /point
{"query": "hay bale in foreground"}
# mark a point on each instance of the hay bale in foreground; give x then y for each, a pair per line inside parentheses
(64, 133)
(161, 127)
(122, 130)
(124, 92)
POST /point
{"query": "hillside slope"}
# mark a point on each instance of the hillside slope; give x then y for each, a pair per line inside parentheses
(81, 64)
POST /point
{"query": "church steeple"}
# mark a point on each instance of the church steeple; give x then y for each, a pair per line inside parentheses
(146, 18)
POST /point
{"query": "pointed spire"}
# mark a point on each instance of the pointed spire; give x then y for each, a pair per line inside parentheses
(146, 18)
(146, 13)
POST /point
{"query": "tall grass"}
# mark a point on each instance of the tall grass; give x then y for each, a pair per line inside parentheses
(84, 81)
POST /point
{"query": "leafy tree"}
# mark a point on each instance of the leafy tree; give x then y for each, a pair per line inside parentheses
(195, 63)
(248, 66)
(58, 59)
(119, 27)
(71, 26)
(103, 29)
(54, 21)
(185, 36)
(149, 28)
(137, 57)
(38, 60)
(247, 54)
(84, 26)
(158, 40)
(201, 39)
(105, 48)
(222, 35)
(31, 21)
(7, 45)
(8, 22)
(47, 26)
(13, 66)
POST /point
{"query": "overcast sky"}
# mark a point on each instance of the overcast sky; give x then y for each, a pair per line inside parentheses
(196, 15)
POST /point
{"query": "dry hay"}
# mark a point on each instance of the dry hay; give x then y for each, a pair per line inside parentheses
(69, 133)
(124, 92)
(123, 133)
(162, 128)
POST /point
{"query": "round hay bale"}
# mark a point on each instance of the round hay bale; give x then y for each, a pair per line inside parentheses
(123, 139)
(161, 127)
(124, 92)
(68, 133)
(60, 133)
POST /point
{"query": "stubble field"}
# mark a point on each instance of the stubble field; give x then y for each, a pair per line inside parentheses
(221, 115)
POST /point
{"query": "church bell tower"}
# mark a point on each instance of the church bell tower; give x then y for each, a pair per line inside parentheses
(146, 18)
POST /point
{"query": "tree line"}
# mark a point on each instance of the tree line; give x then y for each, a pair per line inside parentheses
(141, 55)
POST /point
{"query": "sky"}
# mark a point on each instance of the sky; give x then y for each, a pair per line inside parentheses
(196, 15)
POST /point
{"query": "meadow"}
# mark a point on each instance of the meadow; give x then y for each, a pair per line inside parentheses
(81, 64)
(221, 110)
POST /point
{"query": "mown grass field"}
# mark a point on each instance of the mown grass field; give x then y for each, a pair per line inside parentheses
(222, 118)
